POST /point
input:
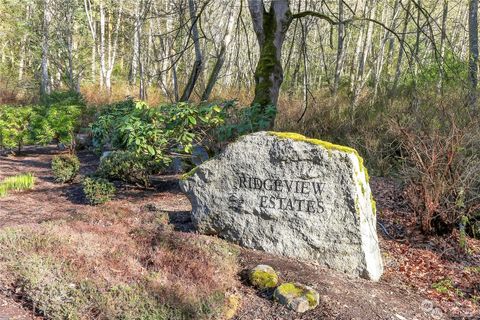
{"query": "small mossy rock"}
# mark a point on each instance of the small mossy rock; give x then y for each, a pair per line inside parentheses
(263, 277)
(297, 297)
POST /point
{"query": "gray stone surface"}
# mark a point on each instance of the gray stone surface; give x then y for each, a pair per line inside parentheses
(289, 195)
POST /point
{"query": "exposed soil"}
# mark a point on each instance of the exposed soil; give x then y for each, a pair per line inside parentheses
(412, 261)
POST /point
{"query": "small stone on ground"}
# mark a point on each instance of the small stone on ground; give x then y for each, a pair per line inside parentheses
(297, 297)
(263, 277)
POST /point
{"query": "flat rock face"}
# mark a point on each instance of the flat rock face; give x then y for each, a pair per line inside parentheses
(290, 195)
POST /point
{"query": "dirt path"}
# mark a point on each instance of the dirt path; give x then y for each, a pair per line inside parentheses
(341, 297)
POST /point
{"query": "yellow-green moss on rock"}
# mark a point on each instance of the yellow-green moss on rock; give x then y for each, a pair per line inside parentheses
(325, 144)
(190, 173)
(297, 297)
(263, 277)
(373, 204)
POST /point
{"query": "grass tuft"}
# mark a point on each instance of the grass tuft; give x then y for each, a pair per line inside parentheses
(17, 183)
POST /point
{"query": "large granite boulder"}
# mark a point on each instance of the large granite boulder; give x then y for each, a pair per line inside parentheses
(290, 195)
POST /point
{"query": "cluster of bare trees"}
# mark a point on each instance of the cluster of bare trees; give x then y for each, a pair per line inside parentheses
(187, 48)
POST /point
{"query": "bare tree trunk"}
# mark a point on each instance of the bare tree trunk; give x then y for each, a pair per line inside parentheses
(340, 51)
(4, 56)
(71, 77)
(305, 70)
(357, 57)
(23, 47)
(21, 62)
(93, 31)
(442, 46)
(141, 71)
(136, 45)
(416, 52)
(68, 30)
(270, 28)
(198, 64)
(360, 74)
(227, 37)
(112, 49)
(175, 83)
(162, 52)
(473, 56)
(171, 52)
(102, 44)
(400, 51)
(381, 59)
(214, 75)
(45, 83)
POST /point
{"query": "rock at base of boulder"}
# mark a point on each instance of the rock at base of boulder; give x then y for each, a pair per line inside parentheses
(263, 277)
(297, 297)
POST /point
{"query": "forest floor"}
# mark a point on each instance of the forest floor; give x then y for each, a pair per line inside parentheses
(425, 277)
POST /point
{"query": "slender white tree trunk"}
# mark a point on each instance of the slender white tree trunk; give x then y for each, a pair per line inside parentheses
(442, 46)
(93, 32)
(102, 45)
(340, 51)
(136, 45)
(112, 48)
(473, 49)
(45, 82)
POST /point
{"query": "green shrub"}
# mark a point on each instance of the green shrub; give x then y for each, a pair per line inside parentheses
(15, 126)
(245, 120)
(128, 167)
(64, 98)
(65, 167)
(98, 190)
(104, 129)
(57, 120)
(17, 183)
(156, 133)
